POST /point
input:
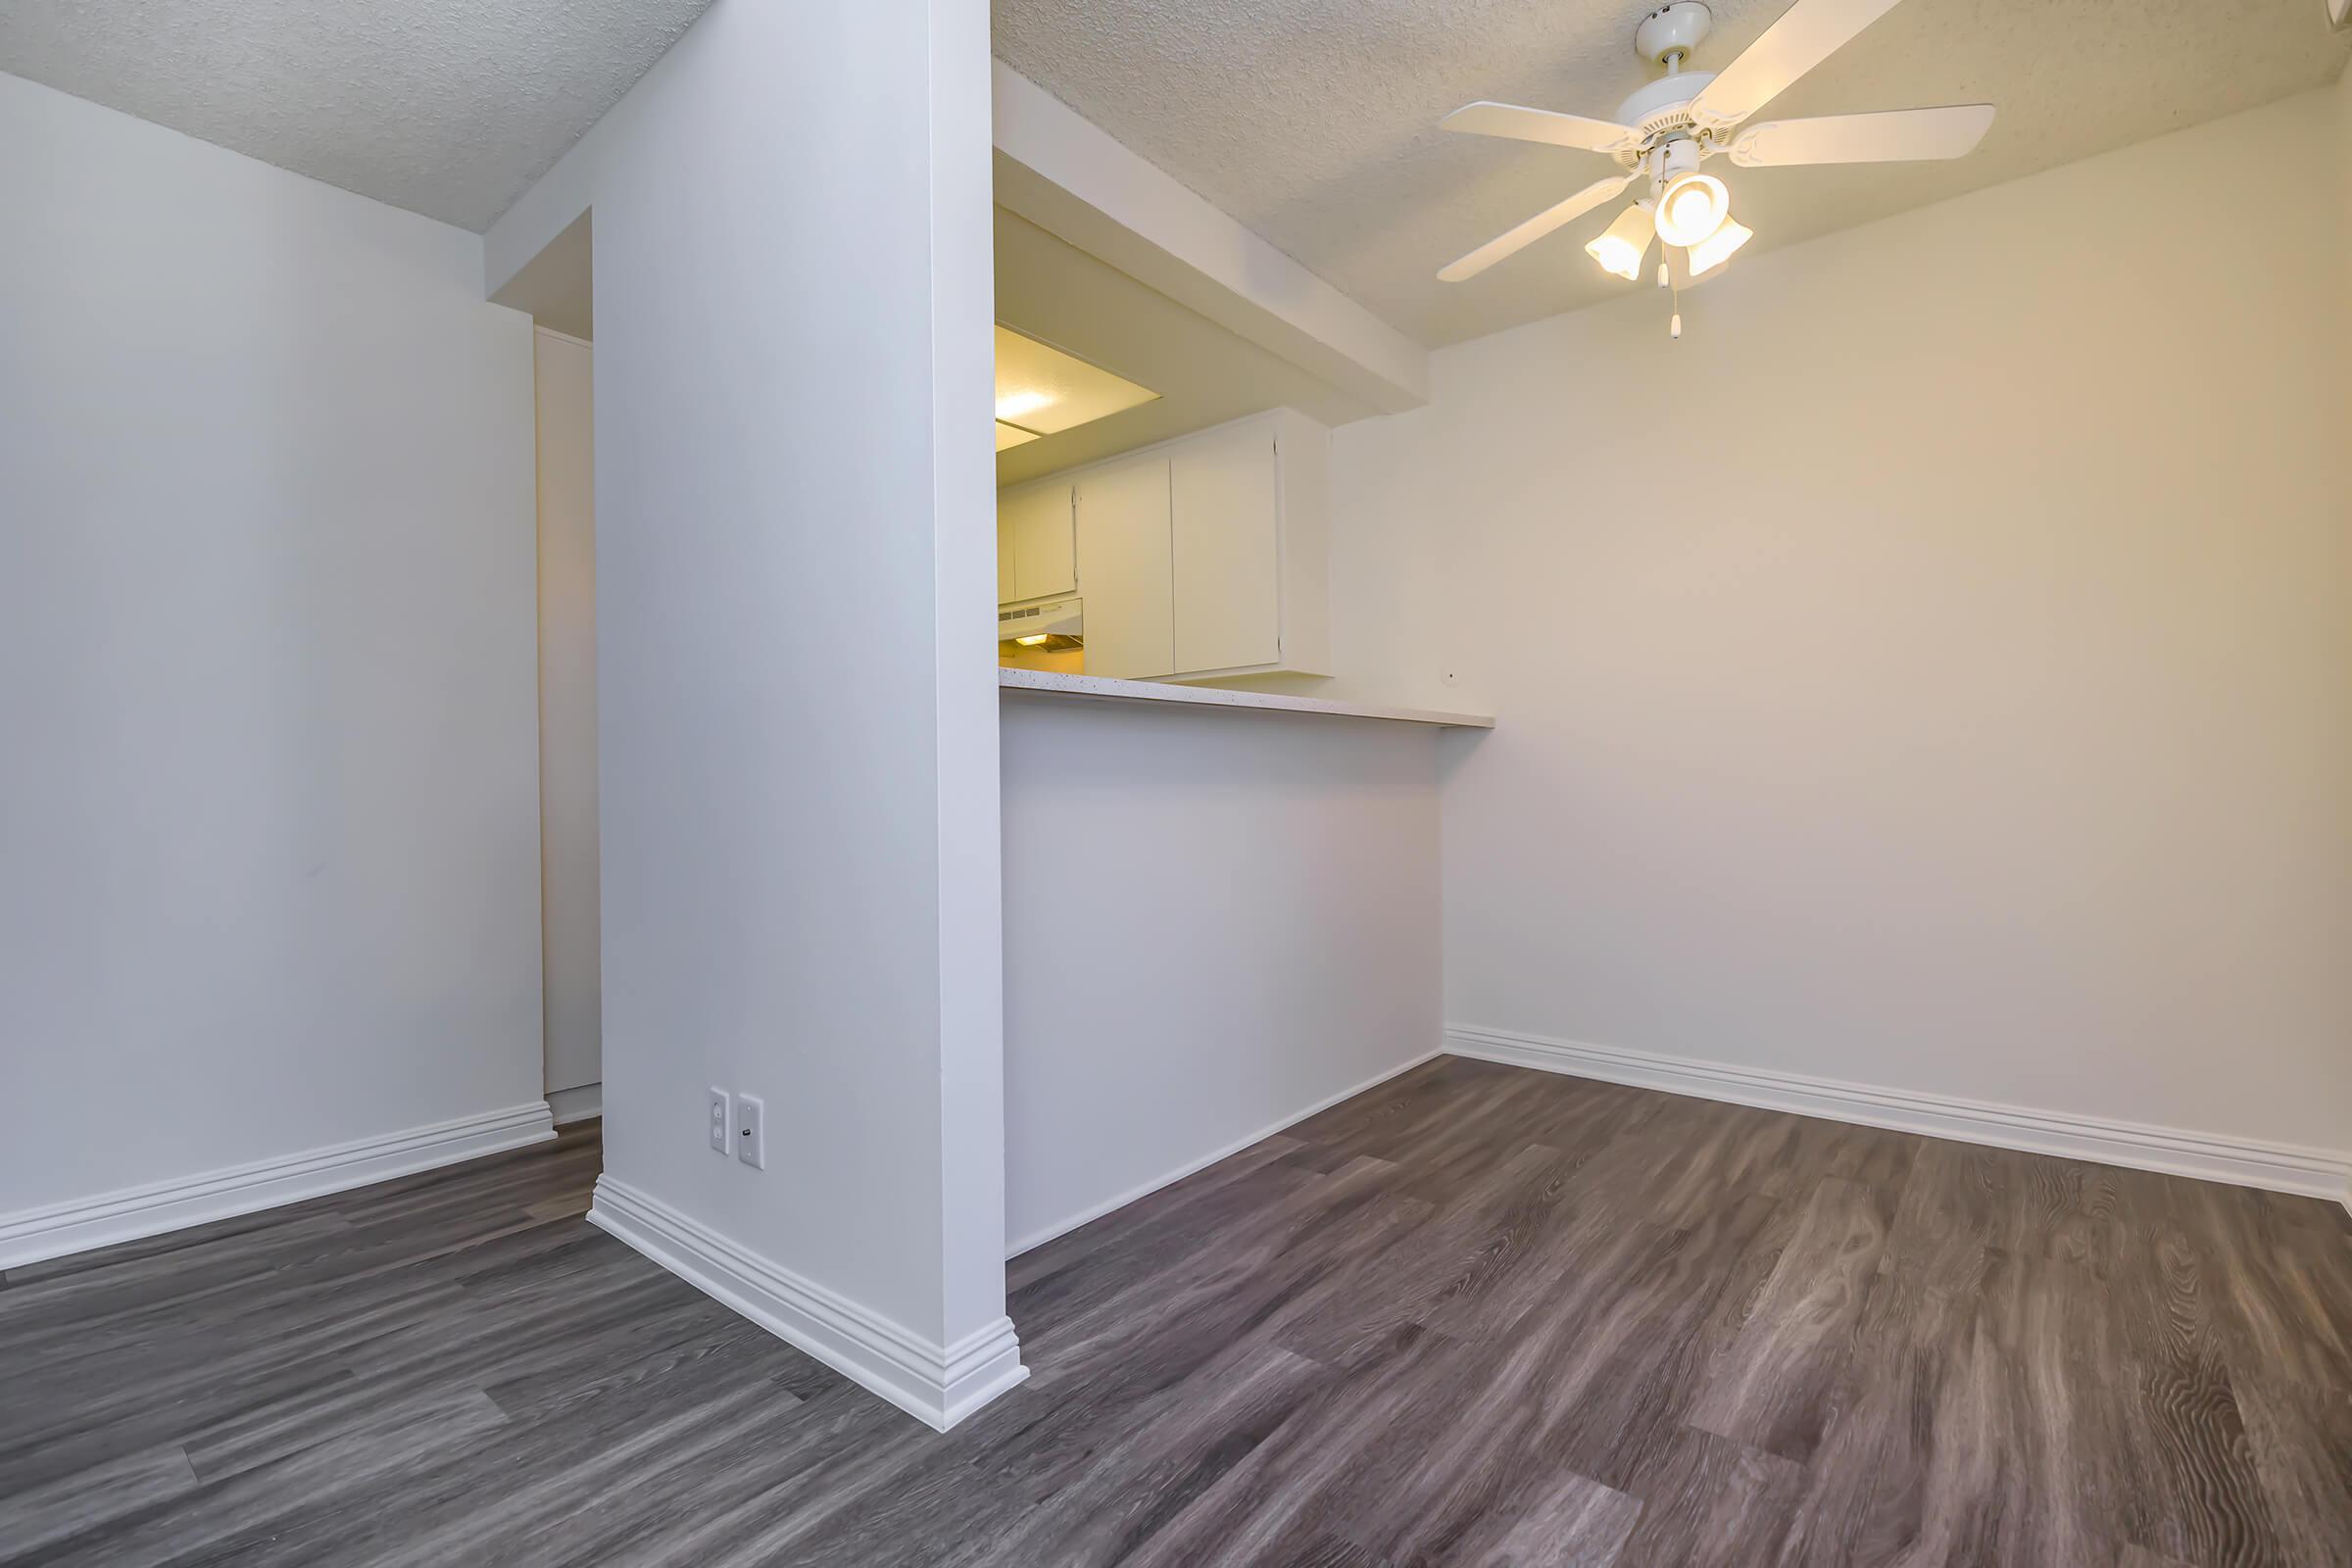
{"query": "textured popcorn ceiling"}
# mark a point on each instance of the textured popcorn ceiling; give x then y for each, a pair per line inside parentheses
(1314, 121)
(449, 108)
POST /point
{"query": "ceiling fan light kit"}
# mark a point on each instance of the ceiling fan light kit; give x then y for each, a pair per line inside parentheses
(1666, 129)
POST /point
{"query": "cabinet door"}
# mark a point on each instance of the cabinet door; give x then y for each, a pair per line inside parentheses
(1044, 561)
(1124, 571)
(1224, 500)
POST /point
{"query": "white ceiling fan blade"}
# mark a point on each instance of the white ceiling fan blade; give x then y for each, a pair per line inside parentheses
(1890, 136)
(1542, 125)
(1807, 33)
(1535, 228)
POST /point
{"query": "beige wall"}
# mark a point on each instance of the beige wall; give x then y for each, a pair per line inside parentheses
(1958, 697)
(568, 870)
(2343, 145)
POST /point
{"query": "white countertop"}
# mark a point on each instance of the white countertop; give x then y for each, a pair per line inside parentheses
(1104, 688)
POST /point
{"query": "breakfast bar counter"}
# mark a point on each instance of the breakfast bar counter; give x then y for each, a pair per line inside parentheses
(1103, 688)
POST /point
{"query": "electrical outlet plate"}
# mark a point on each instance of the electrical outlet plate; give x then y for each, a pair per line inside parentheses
(722, 1116)
(750, 1131)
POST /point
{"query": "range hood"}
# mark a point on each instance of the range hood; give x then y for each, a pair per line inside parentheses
(1054, 623)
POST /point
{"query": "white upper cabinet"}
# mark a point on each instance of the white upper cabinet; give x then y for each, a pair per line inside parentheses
(1036, 545)
(1201, 557)
(1224, 499)
(1124, 570)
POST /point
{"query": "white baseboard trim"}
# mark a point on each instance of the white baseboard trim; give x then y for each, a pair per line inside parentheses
(937, 1385)
(76, 1226)
(1094, 1211)
(2210, 1156)
(577, 1104)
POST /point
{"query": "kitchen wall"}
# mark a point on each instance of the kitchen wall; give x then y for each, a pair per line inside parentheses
(1956, 697)
(268, 821)
(1213, 922)
(567, 874)
(796, 790)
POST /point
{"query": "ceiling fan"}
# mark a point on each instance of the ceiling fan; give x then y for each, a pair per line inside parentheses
(1667, 128)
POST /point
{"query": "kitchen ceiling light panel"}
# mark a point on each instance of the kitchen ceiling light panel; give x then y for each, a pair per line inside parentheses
(1044, 391)
(1011, 435)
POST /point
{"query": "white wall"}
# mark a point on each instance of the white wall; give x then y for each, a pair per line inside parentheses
(567, 881)
(1960, 699)
(269, 822)
(1212, 923)
(796, 600)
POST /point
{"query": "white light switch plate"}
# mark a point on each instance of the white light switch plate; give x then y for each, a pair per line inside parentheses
(750, 1131)
(722, 1116)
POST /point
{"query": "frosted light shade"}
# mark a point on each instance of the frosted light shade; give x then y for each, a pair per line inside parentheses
(1619, 250)
(1717, 248)
(1691, 208)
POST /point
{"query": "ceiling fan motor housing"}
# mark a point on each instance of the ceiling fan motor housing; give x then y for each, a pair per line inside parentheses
(1667, 36)
(1673, 30)
(1662, 107)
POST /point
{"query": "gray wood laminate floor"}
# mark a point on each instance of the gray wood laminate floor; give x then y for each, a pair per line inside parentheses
(1477, 1317)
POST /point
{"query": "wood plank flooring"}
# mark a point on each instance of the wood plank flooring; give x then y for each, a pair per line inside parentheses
(1475, 1316)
